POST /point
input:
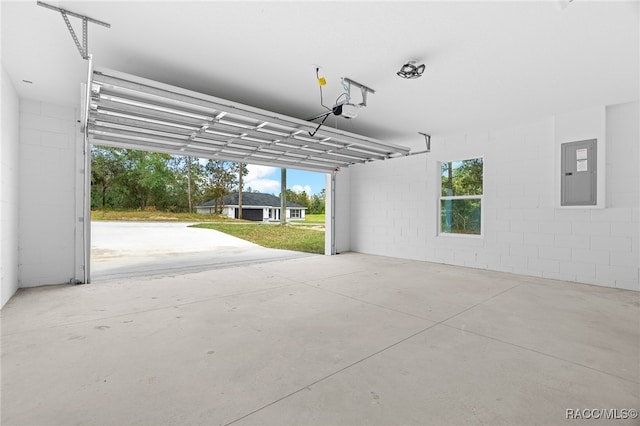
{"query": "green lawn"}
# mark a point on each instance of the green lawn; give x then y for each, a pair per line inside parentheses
(306, 236)
(297, 238)
(314, 218)
(156, 216)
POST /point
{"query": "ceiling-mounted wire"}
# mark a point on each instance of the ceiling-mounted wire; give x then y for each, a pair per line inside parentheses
(347, 92)
(321, 82)
(344, 108)
(319, 125)
(337, 110)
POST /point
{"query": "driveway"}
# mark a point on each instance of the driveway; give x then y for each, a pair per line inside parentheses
(126, 249)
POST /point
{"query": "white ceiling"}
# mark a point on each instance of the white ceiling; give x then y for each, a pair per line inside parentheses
(488, 63)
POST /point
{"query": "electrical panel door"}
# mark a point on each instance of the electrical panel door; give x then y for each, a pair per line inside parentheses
(579, 180)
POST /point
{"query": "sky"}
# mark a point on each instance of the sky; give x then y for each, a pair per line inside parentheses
(266, 179)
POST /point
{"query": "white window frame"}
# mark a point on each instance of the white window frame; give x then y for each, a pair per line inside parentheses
(460, 197)
(296, 211)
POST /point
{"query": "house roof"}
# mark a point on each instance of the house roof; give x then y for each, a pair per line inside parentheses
(252, 199)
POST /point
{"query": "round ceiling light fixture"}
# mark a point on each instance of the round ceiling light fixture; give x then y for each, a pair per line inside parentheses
(411, 70)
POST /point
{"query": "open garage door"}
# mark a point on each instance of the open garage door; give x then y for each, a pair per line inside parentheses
(131, 112)
(126, 111)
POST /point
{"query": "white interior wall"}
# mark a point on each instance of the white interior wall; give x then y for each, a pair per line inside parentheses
(623, 196)
(340, 229)
(394, 204)
(387, 208)
(49, 192)
(342, 209)
(9, 189)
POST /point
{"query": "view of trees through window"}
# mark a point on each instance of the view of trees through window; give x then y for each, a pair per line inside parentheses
(461, 197)
(124, 179)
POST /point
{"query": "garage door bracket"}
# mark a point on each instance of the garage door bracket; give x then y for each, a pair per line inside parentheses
(84, 47)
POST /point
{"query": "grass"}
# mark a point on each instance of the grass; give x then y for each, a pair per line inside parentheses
(285, 237)
(156, 216)
(314, 218)
(306, 236)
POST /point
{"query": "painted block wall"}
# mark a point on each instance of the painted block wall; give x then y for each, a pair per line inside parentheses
(48, 198)
(389, 209)
(9, 190)
(623, 197)
(394, 204)
(343, 220)
(342, 204)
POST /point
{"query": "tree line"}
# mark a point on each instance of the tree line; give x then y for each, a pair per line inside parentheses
(125, 179)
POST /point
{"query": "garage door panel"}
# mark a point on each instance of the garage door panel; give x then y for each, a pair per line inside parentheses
(256, 215)
(132, 111)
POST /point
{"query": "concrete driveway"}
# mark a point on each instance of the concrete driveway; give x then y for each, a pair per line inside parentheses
(126, 249)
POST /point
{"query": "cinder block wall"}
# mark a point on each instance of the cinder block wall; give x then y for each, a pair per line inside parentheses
(9, 190)
(394, 204)
(48, 193)
(342, 212)
(343, 222)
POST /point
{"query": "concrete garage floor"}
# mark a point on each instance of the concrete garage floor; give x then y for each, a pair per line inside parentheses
(344, 340)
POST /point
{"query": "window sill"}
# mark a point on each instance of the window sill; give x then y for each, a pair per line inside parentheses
(469, 236)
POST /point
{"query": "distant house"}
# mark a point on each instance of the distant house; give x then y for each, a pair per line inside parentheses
(255, 206)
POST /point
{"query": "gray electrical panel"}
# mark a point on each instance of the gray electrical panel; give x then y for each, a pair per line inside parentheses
(578, 174)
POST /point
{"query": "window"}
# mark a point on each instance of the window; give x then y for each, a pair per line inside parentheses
(296, 213)
(461, 197)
